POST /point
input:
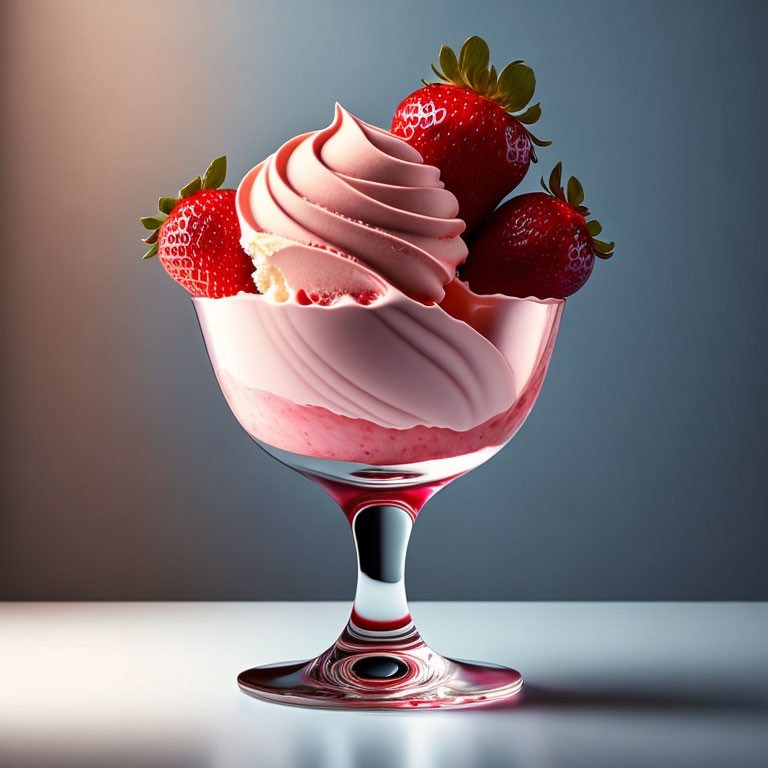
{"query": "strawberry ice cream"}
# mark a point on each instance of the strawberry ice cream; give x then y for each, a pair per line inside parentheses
(363, 346)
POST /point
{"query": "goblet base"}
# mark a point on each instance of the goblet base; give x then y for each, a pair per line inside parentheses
(401, 674)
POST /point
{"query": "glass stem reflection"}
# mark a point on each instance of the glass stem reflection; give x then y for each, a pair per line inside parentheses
(381, 534)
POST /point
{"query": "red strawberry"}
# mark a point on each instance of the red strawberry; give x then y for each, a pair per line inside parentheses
(537, 244)
(464, 127)
(197, 237)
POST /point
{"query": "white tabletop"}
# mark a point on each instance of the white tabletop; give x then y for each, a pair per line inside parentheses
(614, 684)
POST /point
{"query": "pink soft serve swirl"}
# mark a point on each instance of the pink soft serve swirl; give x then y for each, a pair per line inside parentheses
(355, 200)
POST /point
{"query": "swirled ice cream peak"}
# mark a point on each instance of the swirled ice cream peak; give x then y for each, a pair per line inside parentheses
(349, 209)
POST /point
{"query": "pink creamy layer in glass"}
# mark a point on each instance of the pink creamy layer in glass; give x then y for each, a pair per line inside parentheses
(393, 382)
(313, 431)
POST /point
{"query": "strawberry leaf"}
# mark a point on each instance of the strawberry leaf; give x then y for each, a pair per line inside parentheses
(531, 115)
(594, 228)
(152, 222)
(151, 252)
(575, 192)
(473, 58)
(602, 249)
(493, 77)
(555, 179)
(216, 173)
(516, 86)
(480, 80)
(449, 64)
(192, 188)
(167, 204)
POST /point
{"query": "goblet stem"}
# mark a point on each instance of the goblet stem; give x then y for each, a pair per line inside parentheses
(381, 534)
(380, 660)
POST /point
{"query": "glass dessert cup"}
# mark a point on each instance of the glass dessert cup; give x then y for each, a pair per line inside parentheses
(381, 478)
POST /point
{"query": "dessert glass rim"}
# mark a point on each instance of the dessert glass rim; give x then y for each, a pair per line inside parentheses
(243, 296)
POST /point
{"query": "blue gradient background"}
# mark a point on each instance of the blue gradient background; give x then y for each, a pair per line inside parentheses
(641, 471)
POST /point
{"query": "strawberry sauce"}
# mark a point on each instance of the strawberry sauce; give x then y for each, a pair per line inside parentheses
(315, 431)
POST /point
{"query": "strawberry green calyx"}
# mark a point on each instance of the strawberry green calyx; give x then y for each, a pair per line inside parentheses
(513, 87)
(212, 179)
(573, 194)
